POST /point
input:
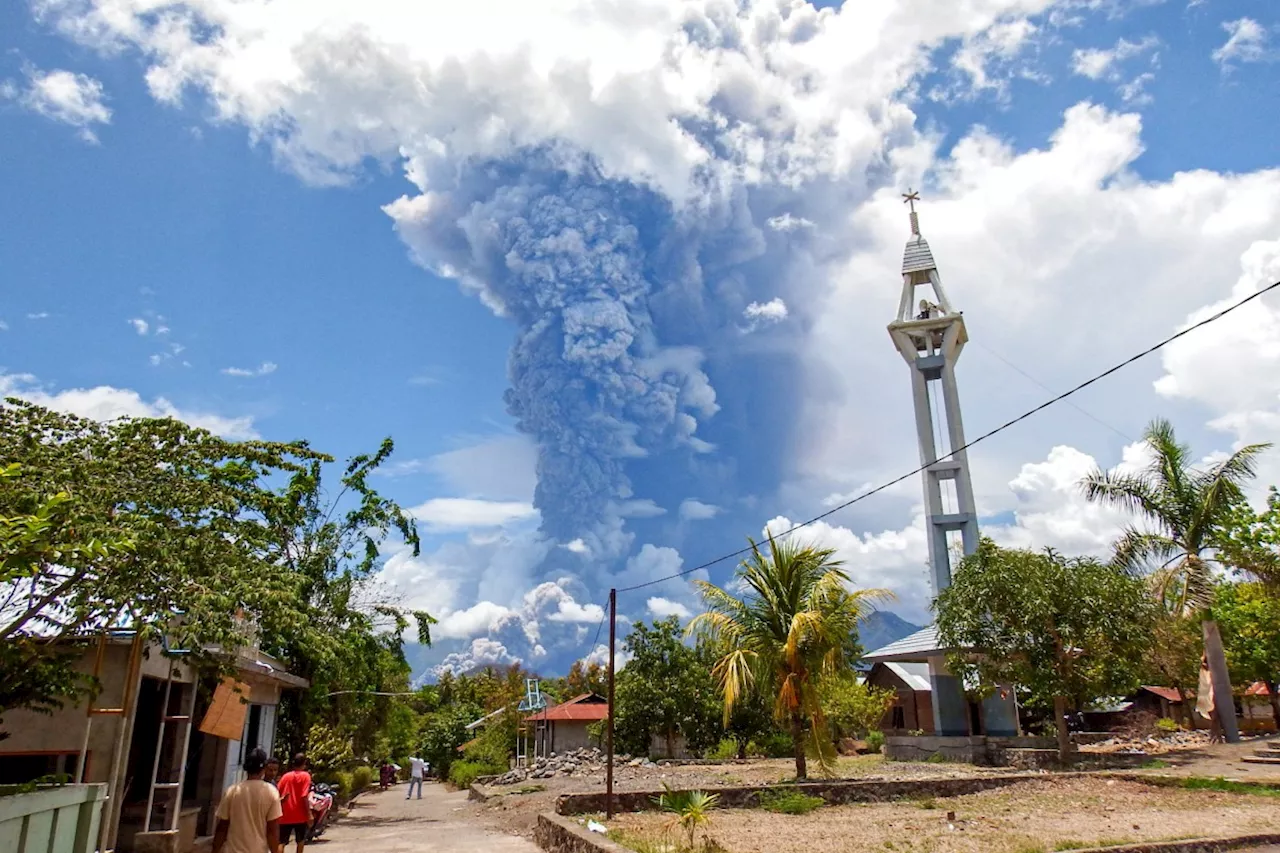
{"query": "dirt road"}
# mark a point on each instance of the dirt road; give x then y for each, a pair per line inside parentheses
(385, 822)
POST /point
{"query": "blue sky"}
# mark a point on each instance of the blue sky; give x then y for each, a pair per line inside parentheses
(275, 228)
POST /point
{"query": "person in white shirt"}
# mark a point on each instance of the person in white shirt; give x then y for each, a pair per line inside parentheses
(417, 770)
(249, 813)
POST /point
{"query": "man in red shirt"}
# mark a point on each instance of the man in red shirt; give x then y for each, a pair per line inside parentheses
(295, 802)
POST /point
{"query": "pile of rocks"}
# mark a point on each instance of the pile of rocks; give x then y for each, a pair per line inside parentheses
(575, 762)
(1154, 744)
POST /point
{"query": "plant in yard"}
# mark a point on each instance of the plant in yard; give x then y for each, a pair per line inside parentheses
(1166, 726)
(1060, 627)
(1186, 510)
(875, 740)
(789, 631)
(691, 809)
(790, 802)
(853, 708)
(1249, 614)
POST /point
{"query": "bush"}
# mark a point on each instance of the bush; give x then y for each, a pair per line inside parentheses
(361, 778)
(727, 748)
(463, 773)
(342, 781)
(1166, 726)
(773, 745)
(875, 740)
(789, 802)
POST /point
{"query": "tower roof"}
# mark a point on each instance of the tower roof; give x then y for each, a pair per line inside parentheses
(917, 257)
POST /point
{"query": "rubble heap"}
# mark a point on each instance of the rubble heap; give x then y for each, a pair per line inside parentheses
(575, 762)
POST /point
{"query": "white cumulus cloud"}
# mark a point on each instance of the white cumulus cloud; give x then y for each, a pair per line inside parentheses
(267, 367)
(661, 608)
(695, 510)
(106, 403)
(467, 513)
(64, 96)
(1247, 41)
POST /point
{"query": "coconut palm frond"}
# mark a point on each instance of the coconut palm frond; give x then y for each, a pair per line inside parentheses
(1133, 492)
(1136, 550)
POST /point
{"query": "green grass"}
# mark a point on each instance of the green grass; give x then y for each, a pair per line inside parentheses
(790, 802)
(1227, 786)
(639, 843)
(529, 789)
(1153, 764)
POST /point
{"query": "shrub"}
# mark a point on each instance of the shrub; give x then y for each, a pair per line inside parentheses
(463, 773)
(875, 740)
(361, 778)
(342, 781)
(691, 809)
(726, 748)
(1166, 726)
(773, 745)
(789, 802)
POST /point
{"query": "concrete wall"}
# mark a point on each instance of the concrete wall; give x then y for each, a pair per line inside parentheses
(569, 734)
(53, 820)
(63, 732)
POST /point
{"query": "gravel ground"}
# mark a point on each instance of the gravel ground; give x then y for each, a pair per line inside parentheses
(514, 811)
(1026, 818)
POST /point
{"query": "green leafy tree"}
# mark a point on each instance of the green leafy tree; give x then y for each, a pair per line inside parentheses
(1249, 615)
(1173, 657)
(445, 731)
(1069, 628)
(152, 524)
(1184, 510)
(350, 642)
(665, 690)
(586, 678)
(1250, 540)
(791, 630)
(851, 707)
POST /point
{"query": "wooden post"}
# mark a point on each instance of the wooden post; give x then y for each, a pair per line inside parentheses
(608, 777)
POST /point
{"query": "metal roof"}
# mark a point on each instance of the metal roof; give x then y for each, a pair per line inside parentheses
(918, 647)
(917, 257)
(914, 675)
(587, 707)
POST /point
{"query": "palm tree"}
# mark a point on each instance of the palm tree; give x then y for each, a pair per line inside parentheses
(789, 630)
(1184, 509)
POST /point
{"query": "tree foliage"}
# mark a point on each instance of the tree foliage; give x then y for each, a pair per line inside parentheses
(1068, 628)
(790, 630)
(666, 689)
(1184, 510)
(852, 707)
(1249, 540)
(156, 526)
(1249, 614)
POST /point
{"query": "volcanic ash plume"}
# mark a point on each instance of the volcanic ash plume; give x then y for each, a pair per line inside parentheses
(590, 379)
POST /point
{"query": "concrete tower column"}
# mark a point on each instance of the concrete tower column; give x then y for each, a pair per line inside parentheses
(930, 334)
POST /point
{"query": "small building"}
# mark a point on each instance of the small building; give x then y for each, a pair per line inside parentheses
(1257, 711)
(564, 726)
(912, 708)
(1160, 701)
(142, 736)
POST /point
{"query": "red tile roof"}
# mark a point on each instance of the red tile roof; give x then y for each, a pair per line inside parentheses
(1258, 688)
(1163, 692)
(585, 708)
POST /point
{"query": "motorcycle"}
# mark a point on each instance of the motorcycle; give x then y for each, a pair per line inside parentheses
(322, 798)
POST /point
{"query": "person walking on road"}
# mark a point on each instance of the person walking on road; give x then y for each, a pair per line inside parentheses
(249, 813)
(417, 770)
(295, 801)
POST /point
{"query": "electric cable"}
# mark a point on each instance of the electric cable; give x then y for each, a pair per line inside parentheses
(1004, 426)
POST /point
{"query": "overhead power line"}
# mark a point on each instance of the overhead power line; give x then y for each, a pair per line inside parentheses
(1004, 426)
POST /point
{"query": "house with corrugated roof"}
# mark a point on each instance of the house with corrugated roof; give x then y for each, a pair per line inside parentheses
(566, 724)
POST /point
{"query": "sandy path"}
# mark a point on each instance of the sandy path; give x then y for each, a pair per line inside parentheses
(385, 822)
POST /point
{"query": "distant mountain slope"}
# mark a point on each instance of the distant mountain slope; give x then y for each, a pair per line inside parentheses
(882, 627)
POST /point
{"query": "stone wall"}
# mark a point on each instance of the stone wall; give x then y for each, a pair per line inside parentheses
(835, 793)
(973, 749)
(562, 835)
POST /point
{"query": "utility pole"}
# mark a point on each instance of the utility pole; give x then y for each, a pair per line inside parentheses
(608, 776)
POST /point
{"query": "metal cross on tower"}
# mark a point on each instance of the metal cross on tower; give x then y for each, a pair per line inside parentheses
(930, 335)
